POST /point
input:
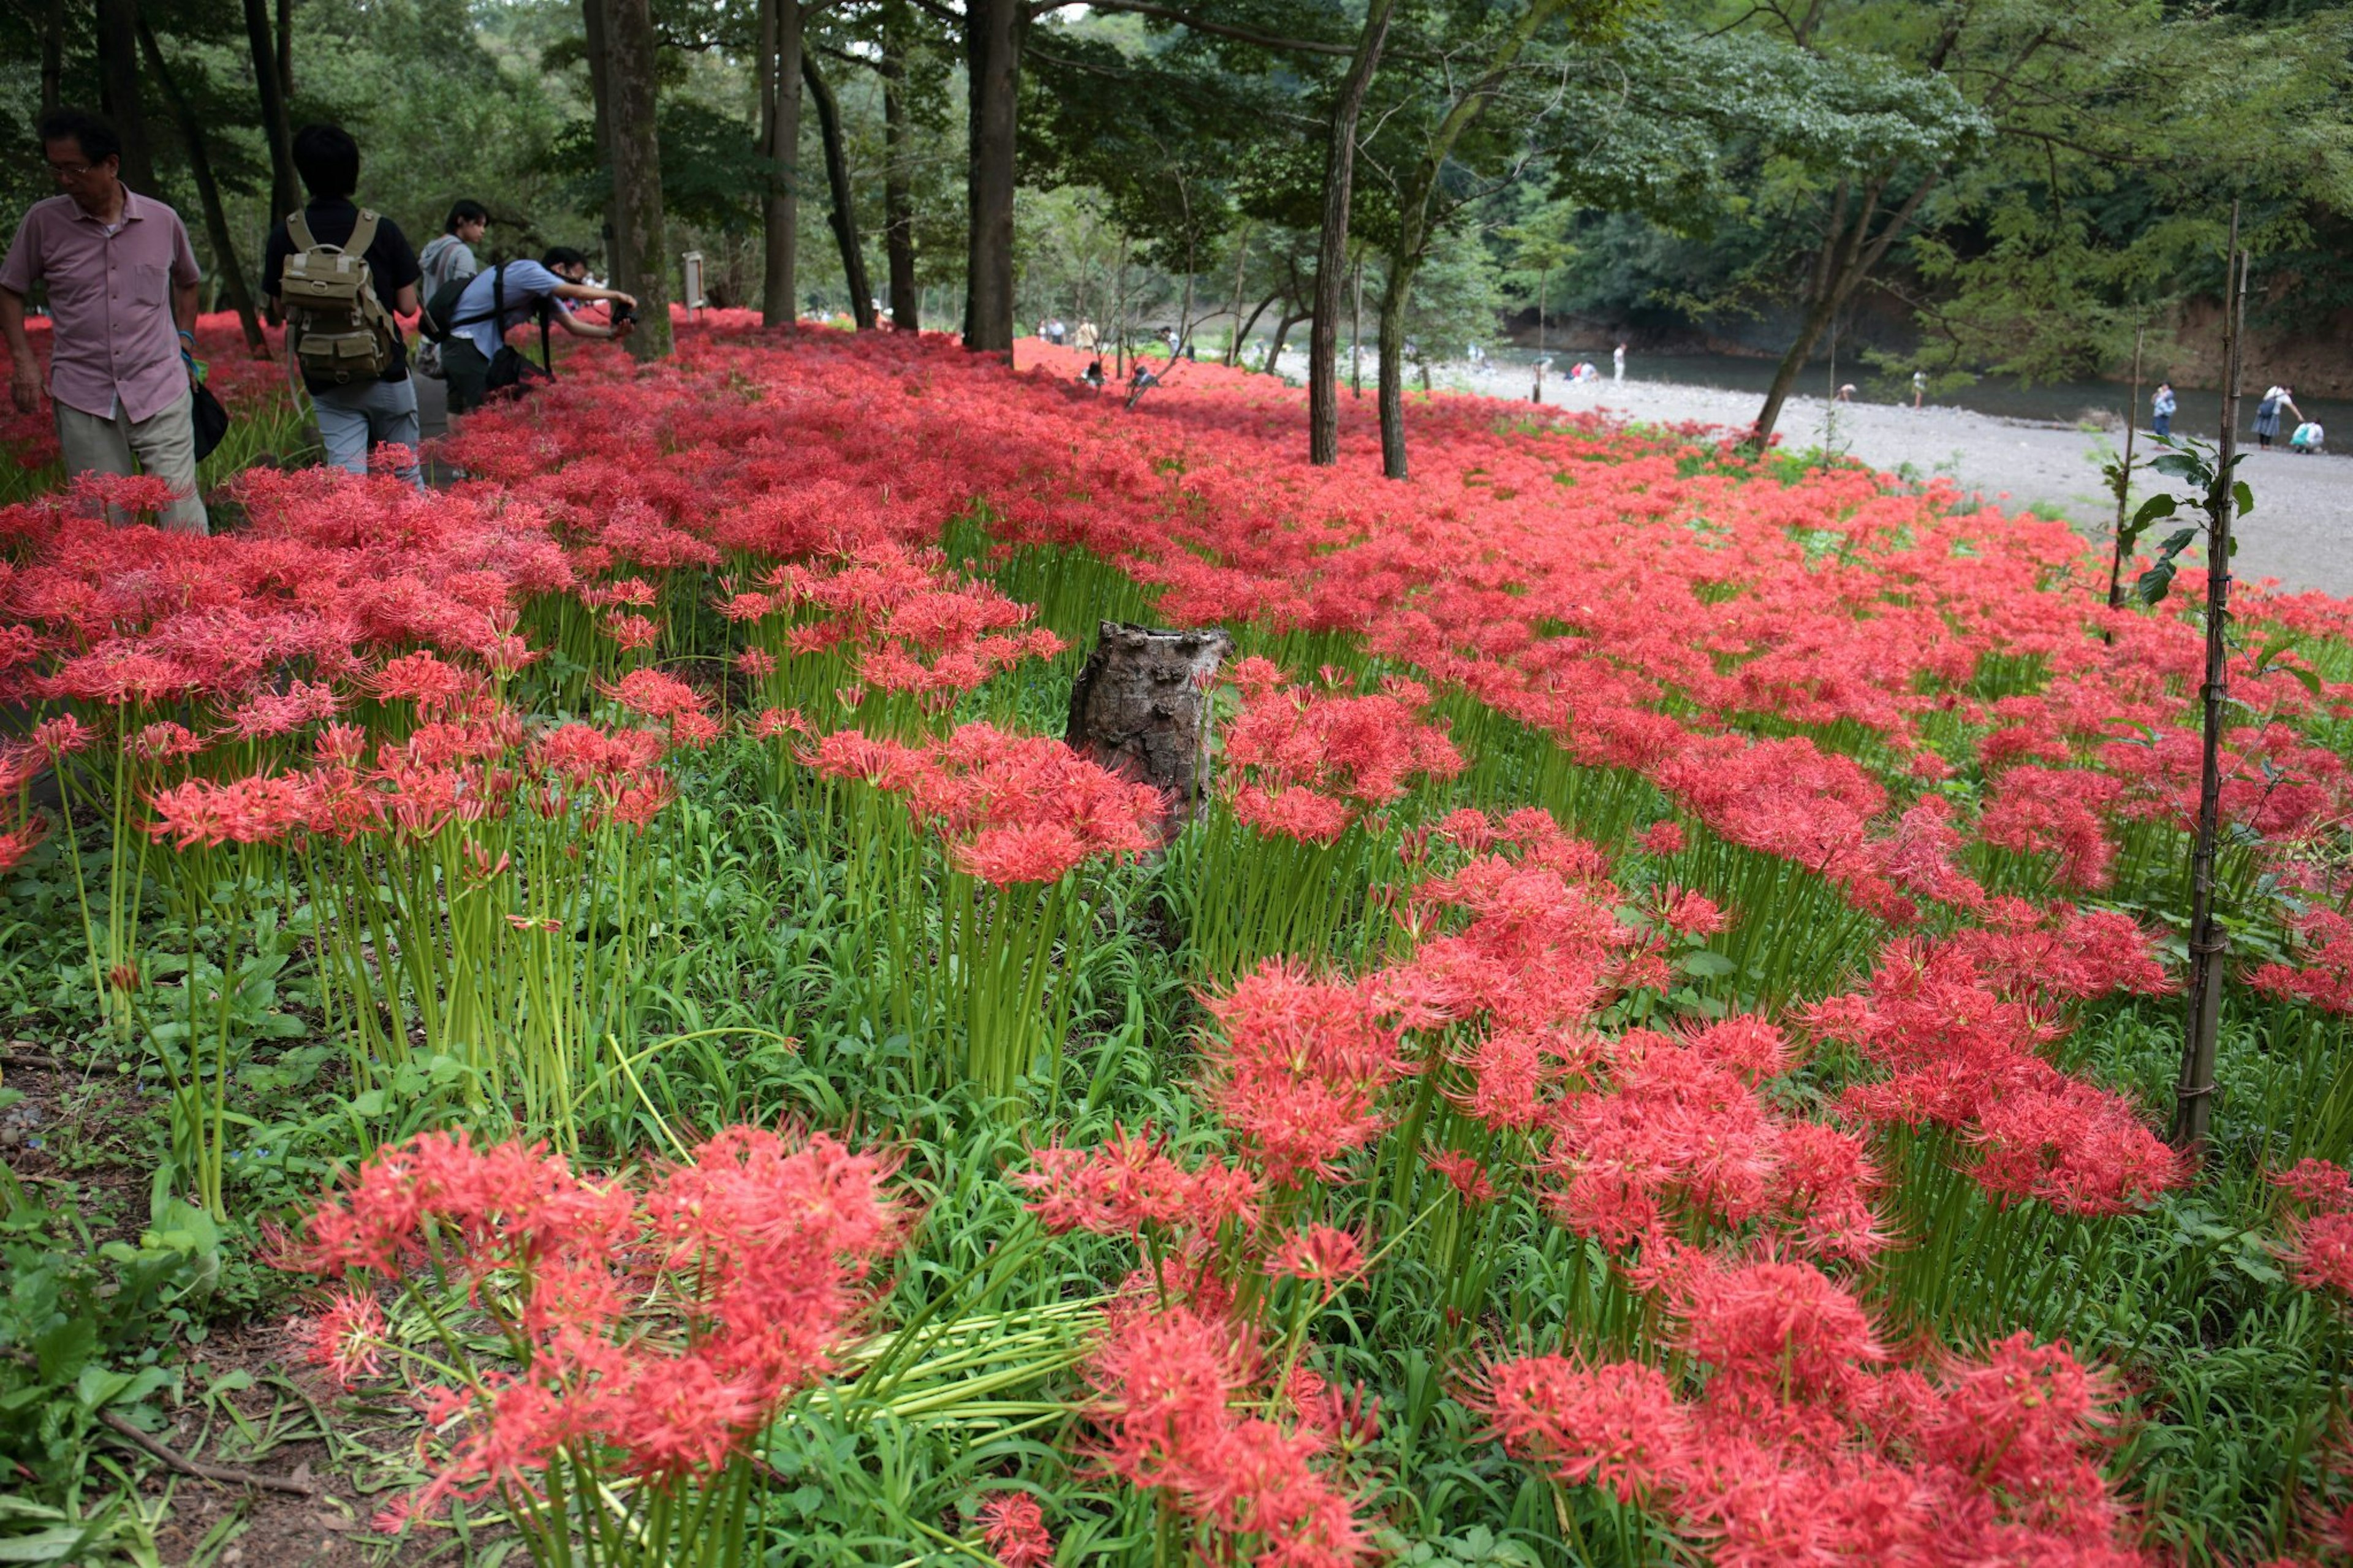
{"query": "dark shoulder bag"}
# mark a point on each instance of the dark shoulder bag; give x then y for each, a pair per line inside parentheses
(508, 368)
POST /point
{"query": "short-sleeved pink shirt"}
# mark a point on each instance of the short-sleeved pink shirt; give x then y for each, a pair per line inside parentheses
(111, 300)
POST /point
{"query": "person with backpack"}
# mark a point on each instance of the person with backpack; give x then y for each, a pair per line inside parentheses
(472, 322)
(122, 281)
(2267, 413)
(339, 272)
(447, 258)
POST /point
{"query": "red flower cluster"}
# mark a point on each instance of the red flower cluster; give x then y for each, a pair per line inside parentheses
(2325, 977)
(1960, 1053)
(653, 1331)
(1173, 1392)
(2320, 1239)
(1016, 808)
(1304, 764)
(1801, 1446)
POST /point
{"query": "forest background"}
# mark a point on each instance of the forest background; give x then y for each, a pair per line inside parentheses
(1968, 187)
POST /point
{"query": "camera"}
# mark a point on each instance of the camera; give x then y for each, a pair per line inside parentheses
(620, 310)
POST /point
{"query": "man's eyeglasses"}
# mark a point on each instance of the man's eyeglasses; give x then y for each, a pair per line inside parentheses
(70, 171)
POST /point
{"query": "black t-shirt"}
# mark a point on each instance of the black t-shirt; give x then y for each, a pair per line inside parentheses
(392, 265)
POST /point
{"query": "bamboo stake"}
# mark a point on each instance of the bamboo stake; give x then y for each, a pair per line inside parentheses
(2210, 940)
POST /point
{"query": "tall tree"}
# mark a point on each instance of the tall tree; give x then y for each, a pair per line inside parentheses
(1332, 247)
(53, 54)
(270, 71)
(119, 91)
(844, 216)
(209, 195)
(641, 260)
(783, 50)
(994, 33)
(1410, 242)
(897, 154)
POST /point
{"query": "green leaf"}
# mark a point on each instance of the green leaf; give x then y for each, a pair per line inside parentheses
(2176, 542)
(2152, 509)
(59, 1355)
(2154, 584)
(2184, 465)
(2243, 496)
(1706, 965)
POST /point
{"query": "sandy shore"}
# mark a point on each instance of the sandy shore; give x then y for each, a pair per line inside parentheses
(2301, 531)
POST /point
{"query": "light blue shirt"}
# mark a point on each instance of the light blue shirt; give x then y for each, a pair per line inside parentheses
(2161, 404)
(527, 283)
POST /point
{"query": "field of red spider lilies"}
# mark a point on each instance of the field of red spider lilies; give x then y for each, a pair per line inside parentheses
(1654, 1049)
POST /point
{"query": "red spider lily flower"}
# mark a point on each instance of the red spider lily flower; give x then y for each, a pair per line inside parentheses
(653, 695)
(1014, 1527)
(2324, 1184)
(348, 1338)
(1466, 1174)
(1616, 1426)
(633, 631)
(1318, 1256)
(62, 736)
(1663, 837)
(19, 842)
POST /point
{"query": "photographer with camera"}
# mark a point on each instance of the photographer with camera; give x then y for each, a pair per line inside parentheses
(475, 357)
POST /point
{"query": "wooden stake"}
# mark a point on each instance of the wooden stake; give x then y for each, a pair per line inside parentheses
(2124, 481)
(2210, 940)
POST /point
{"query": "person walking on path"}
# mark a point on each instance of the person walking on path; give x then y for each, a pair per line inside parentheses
(1618, 363)
(2161, 405)
(447, 258)
(1919, 387)
(358, 412)
(1087, 338)
(514, 291)
(2267, 413)
(123, 308)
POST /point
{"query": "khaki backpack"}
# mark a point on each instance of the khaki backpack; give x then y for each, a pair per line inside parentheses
(342, 332)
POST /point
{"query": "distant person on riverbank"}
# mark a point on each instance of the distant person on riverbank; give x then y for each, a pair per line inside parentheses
(1846, 393)
(2267, 413)
(1919, 387)
(1618, 363)
(122, 314)
(362, 402)
(2160, 408)
(2308, 438)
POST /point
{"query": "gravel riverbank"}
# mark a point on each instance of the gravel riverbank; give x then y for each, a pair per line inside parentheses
(2301, 531)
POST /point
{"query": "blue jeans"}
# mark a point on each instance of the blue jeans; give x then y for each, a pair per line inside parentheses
(367, 413)
(2164, 423)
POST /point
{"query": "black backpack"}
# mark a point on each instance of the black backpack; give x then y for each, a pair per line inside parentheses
(439, 319)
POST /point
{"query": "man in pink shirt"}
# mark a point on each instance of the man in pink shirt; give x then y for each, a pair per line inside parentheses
(123, 301)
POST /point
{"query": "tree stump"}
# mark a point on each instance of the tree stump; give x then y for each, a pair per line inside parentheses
(1140, 707)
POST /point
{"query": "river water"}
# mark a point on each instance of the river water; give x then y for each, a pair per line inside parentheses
(2065, 403)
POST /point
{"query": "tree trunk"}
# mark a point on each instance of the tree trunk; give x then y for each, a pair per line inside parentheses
(845, 200)
(286, 49)
(1243, 329)
(1281, 333)
(782, 54)
(1140, 707)
(898, 187)
(1845, 259)
(118, 81)
(53, 54)
(1242, 260)
(596, 32)
(993, 37)
(200, 168)
(1413, 227)
(641, 260)
(1331, 240)
(1391, 396)
(277, 131)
